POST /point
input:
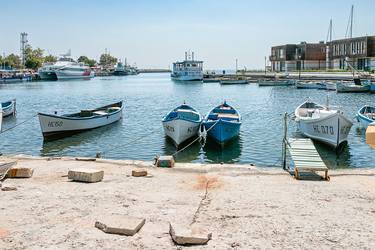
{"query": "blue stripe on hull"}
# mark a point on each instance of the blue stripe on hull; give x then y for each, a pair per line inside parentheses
(223, 131)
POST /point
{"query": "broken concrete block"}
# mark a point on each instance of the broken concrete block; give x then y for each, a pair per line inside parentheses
(18, 172)
(139, 172)
(166, 161)
(120, 224)
(187, 236)
(86, 175)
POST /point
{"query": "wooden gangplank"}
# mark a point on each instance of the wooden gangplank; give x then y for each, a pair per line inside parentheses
(305, 157)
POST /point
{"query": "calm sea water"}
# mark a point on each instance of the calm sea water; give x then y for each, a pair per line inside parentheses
(148, 97)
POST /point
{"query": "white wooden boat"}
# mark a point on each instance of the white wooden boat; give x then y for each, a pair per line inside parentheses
(274, 83)
(322, 123)
(330, 86)
(59, 126)
(352, 87)
(307, 85)
(181, 124)
(8, 108)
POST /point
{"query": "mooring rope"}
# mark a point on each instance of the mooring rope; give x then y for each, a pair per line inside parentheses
(196, 139)
(27, 120)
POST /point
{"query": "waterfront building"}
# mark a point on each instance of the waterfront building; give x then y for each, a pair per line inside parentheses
(358, 51)
(303, 56)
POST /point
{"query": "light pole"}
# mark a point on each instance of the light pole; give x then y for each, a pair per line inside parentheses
(265, 65)
(299, 67)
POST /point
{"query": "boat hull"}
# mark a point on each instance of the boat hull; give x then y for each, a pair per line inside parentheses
(180, 130)
(223, 131)
(274, 83)
(362, 119)
(191, 77)
(230, 82)
(47, 75)
(344, 88)
(55, 127)
(73, 75)
(332, 130)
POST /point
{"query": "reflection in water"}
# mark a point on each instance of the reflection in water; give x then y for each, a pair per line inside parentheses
(56, 147)
(189, 154)
(230, 153)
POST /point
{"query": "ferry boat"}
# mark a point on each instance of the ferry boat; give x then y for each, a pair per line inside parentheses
(188, 70)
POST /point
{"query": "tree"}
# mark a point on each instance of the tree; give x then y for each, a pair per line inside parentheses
(12, 61)
(87, 61)
(107, 60)
(33, 58)
(50, 58)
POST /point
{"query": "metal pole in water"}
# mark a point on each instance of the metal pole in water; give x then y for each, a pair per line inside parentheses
(284, 140)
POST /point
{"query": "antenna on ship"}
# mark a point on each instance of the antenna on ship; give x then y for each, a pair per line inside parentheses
(185, 55)
(23, 42)
(192, 56)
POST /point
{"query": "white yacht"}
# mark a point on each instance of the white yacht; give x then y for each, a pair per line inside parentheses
(65, 68)
(188, 70)
(74, 71)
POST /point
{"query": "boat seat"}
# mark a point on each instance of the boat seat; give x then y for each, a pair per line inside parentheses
(85, 113)
(100, 112)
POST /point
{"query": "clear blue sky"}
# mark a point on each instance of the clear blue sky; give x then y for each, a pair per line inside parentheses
(155, 33)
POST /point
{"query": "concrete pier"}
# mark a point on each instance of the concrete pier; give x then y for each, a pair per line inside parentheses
(244, 207)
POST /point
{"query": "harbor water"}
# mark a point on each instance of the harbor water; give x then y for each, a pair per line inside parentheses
(148, 97)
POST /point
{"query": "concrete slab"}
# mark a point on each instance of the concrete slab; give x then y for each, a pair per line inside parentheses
(182, 235)
(120, 224)
(86, 175)
(139, 172)
(20, 172)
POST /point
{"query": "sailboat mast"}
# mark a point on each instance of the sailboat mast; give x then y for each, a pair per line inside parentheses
(351, 21)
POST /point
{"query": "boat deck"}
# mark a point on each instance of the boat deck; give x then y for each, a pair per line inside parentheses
(305, 157)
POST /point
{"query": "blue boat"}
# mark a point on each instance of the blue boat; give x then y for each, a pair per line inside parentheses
(8, 108)
(223, 123)
(366, 115)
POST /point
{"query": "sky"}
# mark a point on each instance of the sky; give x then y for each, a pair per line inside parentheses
(153, 33)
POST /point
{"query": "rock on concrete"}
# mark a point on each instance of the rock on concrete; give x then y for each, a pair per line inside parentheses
(120, 224)
(86, 175)
(187, 236)
(166, 161)
(19, 172)
(139, 172)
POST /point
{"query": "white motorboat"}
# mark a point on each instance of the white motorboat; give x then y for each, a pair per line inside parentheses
(308, 85)
(330, 86)
(58, 126)
(48, 70)
(353, 87)
(182, 123)
(74, 71)
(323, 123)
(8, 108)
(275, 83)
(188, 70)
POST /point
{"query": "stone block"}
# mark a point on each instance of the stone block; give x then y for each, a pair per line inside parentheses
(18, 172)
(120, 224)
(86, 175)
(188, 236)
(139, 172)
(166, 161)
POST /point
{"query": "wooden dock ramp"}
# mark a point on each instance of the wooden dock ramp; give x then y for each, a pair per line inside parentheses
(305, 157)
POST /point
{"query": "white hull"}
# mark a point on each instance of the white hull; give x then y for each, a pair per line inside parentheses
(188, 78)
(1, 119)
(180, 130)
(351, 88)
(332, 130)
(71, 74)
(11, 110)
(53, 125)
(47, 75)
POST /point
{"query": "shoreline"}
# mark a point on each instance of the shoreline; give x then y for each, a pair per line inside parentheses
(243, 206)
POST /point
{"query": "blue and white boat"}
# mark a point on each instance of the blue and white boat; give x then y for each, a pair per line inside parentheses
(223, 123)
(366, 115)
(182, 123)
(8, 108)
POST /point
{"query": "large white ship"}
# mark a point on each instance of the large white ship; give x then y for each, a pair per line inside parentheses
(65, 68)
(188, 70)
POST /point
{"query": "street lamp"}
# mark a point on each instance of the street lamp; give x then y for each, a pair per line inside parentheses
(265, 65)
(299, 67)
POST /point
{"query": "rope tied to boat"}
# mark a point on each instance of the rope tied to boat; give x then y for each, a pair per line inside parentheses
(27, 120)
(202, 136)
